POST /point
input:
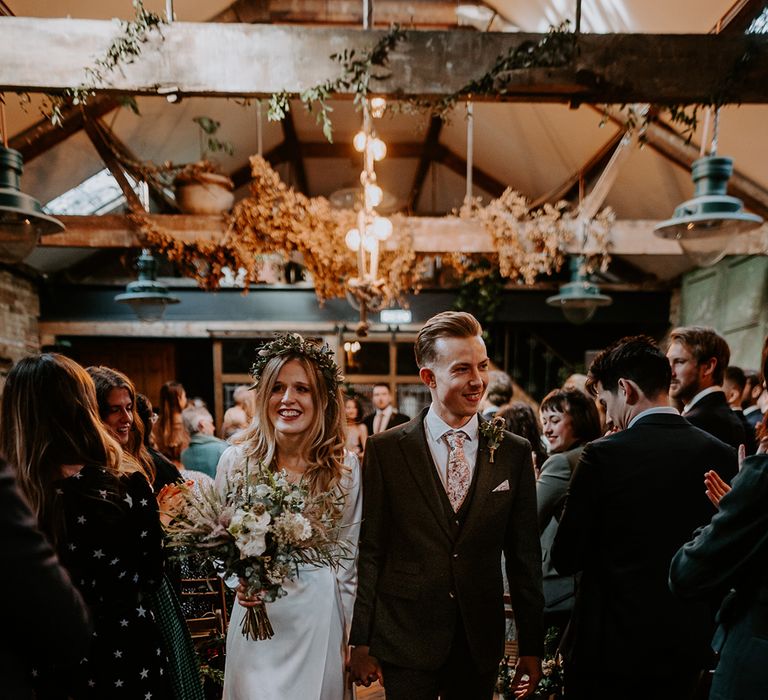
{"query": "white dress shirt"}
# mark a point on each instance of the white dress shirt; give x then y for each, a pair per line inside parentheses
(671, 410)
(381, 419)
(435, 428)
(701, 395)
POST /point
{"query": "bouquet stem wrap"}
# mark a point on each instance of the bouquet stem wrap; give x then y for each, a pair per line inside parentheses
(256, 624)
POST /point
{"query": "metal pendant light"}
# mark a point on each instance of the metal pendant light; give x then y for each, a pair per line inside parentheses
(705, 225)
(579, 298)
(146, 296)
(22, 220)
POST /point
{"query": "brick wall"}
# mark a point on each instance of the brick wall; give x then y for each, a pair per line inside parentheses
(19, 311)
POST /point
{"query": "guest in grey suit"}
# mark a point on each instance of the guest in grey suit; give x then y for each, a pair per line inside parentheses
(570, 420)
(444, 496)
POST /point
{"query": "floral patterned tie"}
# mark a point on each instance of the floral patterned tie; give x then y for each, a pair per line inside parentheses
(458, 468)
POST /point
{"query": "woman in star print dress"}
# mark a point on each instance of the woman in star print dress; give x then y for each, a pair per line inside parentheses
(97, 507)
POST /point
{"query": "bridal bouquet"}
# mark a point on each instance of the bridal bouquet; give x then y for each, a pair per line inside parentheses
(260, 530)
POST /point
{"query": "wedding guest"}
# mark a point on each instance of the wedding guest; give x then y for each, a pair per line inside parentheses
(729, 557)
(570, 420)
(116, 399)
(499, 392)
(633, 499)
(165, 470)
(734, 383)
(752, 391)
(520, 419)
(357, 433)
(698, 358)
(204, 450)
(95, 504)
(171, 437)
(299, 429)
(37, 591)
(238, 417)
(385, 416)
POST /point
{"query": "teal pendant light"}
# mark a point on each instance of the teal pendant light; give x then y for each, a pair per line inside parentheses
(22, 220)
(146, 296)
(705, 225)
(580, 298)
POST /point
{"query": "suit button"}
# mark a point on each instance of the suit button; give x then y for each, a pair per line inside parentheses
(458, 523)
(455, 556)
(451, 595)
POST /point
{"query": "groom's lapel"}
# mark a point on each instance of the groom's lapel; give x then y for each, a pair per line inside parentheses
(416, 453)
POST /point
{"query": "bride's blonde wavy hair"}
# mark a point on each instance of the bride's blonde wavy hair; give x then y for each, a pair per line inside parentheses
(323, 443)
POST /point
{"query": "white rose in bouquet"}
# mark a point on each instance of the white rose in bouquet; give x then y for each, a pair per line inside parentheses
(249, 529)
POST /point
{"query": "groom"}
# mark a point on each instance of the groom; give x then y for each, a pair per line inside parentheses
(440, 506)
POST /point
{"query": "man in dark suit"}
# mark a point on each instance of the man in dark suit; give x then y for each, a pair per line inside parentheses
(385, 416)
(635, 496)
(734, 383)
(45, 623)
(752, 390)
(730, 555)
(698, 358)
(445, 496)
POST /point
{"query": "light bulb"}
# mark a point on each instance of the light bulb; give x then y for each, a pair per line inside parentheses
(378, 106)
(378, 149)
(373, 195)
(353, 239)
(381, 227)
(355, 346)
(359, 141)
(370, 243)
(347, 347)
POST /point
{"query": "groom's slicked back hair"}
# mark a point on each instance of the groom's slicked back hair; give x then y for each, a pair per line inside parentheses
(636, 357)
(448, 324)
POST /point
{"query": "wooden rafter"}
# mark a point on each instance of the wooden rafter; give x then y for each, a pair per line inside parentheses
(291, 141)
(430, 235)
(439, 13)
(739, 16)
(258, 60)
(99, 140)
(428, 155)
(458, 164)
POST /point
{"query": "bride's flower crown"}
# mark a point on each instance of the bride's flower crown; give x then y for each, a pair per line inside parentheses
(293, 344)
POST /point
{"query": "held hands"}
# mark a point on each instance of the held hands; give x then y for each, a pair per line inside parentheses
(363, 667)
(527, 676)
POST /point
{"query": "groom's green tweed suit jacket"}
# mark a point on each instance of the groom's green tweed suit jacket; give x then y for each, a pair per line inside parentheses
(418, 570)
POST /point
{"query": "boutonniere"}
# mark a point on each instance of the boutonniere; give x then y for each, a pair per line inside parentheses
(493, 431)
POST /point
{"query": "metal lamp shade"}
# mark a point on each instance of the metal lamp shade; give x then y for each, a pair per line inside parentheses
(579, 298)
(705, 225)
(22, 220)
(147, 297)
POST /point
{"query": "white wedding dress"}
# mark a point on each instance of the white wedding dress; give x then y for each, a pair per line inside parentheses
(305, 658)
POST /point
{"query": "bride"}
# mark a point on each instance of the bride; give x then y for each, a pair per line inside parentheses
(298, 427)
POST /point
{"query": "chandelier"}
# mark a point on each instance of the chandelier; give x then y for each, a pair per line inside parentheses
(365, 291)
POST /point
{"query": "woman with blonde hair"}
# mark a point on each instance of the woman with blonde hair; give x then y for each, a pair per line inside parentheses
(298, 429)
(95, 504)
(170, 434)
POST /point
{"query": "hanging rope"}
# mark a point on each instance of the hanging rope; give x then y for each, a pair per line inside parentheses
(470, 149)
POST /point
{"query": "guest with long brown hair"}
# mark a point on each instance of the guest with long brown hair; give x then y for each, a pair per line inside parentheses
(170, 435)
(95, 504)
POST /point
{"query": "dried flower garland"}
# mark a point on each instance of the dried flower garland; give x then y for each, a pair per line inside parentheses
(276, 219)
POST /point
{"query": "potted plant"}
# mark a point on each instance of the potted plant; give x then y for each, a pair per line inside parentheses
(200, 187)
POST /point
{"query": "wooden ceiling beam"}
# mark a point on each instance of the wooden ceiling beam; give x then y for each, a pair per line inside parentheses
(231, 60)
(99, 140)
(428, 154)
(439, 13)
(430, 235)
(739, 16)
(291, 141)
